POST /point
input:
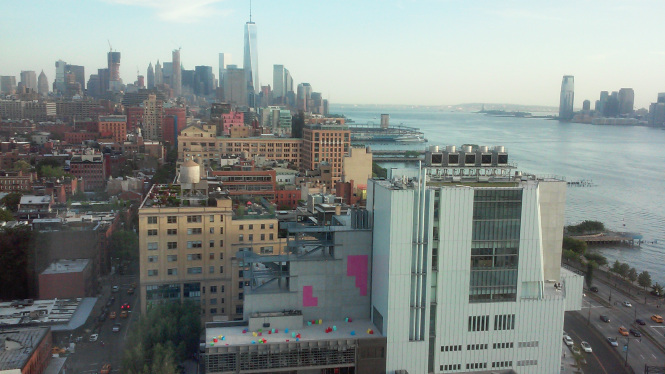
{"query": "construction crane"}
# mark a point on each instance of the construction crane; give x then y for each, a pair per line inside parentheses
(110, 48)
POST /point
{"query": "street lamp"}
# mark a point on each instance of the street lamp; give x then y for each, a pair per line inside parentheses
(625, 348)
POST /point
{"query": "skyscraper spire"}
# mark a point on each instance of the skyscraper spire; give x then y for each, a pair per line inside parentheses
(250, 10)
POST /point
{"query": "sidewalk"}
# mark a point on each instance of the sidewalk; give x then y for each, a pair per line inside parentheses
(568, 365)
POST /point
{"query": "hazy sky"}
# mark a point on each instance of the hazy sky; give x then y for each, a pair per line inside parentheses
(363, 52)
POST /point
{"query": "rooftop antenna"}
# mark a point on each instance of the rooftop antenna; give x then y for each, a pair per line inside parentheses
(250, 11)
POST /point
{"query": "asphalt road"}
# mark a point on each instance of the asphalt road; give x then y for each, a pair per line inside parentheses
(90, 356)
(604, 358)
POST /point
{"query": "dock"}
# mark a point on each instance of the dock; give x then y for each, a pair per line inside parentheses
(611, 238)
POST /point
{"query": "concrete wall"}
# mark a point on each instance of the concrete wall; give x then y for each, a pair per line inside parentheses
(552, 201)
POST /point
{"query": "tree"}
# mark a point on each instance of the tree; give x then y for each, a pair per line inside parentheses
(569, 255)
(378, 171)
(623, 269)
(586, 227)
(11, 201)
(632, 275)
(644, 279)
(657, 289)
(597, 258)
(616, 267)
(574, 245)
(589, 274)
(6, 216)
(22, 165)
(124, 245)
(48, 171)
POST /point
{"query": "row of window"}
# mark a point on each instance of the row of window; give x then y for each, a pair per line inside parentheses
(504, 322)
(501, 322)
(527, 344)
(527, 362)
(450, 367)
(191, 270)
(502, 364)
(451, 348)
(502, 345)
(476, 365)
(476, 347)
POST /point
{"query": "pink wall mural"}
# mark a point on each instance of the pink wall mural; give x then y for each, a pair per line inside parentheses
(356, 266)
(308, 298)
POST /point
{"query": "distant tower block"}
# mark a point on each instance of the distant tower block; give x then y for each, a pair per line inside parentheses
(385, 121)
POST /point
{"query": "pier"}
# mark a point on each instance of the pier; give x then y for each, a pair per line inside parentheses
(611, 238)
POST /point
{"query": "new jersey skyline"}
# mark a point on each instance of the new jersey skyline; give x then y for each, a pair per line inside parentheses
(395, 52)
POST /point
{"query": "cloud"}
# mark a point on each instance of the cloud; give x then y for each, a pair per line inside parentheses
(182, 11)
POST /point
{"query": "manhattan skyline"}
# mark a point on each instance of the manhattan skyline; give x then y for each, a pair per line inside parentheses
(396, 52)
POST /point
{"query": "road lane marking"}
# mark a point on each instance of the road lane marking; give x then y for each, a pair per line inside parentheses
(654, 356)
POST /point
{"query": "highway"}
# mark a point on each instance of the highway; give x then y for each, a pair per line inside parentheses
(646, 349)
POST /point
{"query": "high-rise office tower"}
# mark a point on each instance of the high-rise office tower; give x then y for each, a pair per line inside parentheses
(586, 105)
(235, 86)
(59, 82)
(159, 75)
(567, 98)
(8, 84)
(42, 84)
(304, 96)
(103, 75)
(79, 74)
(151, 77)
(176, 77)
(115, 83)
(152, 118)
(251, 59)
(203, 80)
(604, 97)
(278, 83)
(224, 61)
(626, 100)
(29, 79)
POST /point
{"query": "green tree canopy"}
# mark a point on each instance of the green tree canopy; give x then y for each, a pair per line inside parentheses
(48, 171)
(657, 289)
(586, 227)
(632, 275)
(11, 201)
(644, 279)
(623, 269)
(378, 171)
(597, 258)
(6, 216)
(22, 165)
(589, 274)
(124, 245)
(574, 245)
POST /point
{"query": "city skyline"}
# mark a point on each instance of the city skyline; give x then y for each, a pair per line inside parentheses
(514, 53)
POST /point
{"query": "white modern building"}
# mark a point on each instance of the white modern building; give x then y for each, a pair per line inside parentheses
(466, 273)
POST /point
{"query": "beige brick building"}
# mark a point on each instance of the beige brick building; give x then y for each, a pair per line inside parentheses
(187, 248)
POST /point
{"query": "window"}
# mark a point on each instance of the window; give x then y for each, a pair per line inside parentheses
(240, 285)
(241, 238)
(476, 347)
(527, 344)
(213, 289)
(251, 237)
(271, 236)
(238, 309)
(221, 244)
(152, 220)
(172, 258)
(152, 246)
(263, 226)
(212, 230)
(241, 227)
(152, 273)
(212, 245)
(251, 227)
(271, 226)
(502, 364)
(194, 219)
(194, 244)
(172, 245)
(263, 236)
(221, 230)
(194, 231)
(211, 270)
(267, 250)
(212, 218)
(221, 255)
(502, 345)
(479, 323)
(152, 232)
(451, 367)
(451, 348)
(171, 219)
(527, 362)
(194, 257)
(152, 258)
(221, 271)
(213, 301)
(173, 271)
(171, 231)
(504, 322)
(213, 310)
(195, 270)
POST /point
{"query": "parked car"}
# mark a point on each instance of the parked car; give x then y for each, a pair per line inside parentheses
(635, 333)
(568, 340)
(116, 327)
(93, 337)
(627, 304)
(130, 291)
(123, 314)
(656, 318)
(640, 322)
(102, 317)
(612, 341)
(112, 315)
(586, 347)
(605, 318)
(115, 289)
(623, 331)
(106, 369)
(594, 289)
(576, 349)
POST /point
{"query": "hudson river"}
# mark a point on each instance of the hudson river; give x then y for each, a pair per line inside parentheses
(626, 165)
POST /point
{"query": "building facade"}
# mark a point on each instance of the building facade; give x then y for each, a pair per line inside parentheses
(325, 142)
(567, 98)
(115, 126)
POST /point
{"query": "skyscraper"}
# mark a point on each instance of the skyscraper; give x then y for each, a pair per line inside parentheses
(151, 77)
(235, 86)
(159, 75)
(79, 74)
(8, 84)
(626, 100)
(251, 59)
(115, 83)
(176, 77)
(29, 79)
(567, 98)
(203, 80)
(59, 82)
(278, 83)
(42, 84)
(224, 60)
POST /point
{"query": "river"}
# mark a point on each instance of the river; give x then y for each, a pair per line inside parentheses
(626, 165)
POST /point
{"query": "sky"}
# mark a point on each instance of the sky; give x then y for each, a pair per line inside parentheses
(430, 52)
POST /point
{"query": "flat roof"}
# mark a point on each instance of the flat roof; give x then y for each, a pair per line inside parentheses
(67, 266)
(234, 335)
(26, 340)
(40, 311)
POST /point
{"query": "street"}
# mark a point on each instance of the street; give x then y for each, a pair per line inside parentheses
(90, 356)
